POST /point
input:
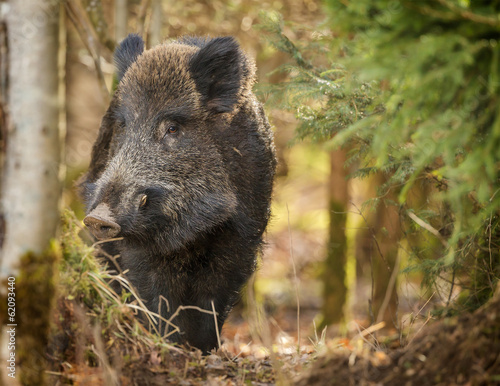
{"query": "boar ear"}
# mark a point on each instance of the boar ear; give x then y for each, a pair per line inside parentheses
(127, 52)
(217, 71)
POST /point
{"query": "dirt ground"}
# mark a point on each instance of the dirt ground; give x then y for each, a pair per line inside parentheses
(462, 350)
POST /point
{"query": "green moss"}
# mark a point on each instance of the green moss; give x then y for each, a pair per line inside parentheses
(35, 288)
(78, 261)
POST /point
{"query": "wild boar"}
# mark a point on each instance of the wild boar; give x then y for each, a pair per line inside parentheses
(182, 173)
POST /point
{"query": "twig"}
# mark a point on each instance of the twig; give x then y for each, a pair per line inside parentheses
(296, 281)
(95, 15)
(265, 332)
(186, 369)
(216, 325)
(372, 231)
(369, 331)
(390, 288)
(109, 374)
(141, 18)
(241, 351)
(85, 31)
(427, 227)
(174, 315)
(452, 286)
(420, 310)
(372, 291)
(106, 241)
(420, 329)
(128, 286)
(489, 242)
(465, 14)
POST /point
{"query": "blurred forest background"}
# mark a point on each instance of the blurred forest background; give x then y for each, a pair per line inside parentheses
(386, 204)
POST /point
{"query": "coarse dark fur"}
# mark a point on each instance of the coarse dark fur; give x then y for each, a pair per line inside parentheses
(184, 129)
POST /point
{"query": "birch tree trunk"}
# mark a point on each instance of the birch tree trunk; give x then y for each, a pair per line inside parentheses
(31, 186)
(31, 183)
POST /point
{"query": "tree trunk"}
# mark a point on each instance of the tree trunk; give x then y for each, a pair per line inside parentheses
(120, 20)
(384, 262)
(377, 247)
(31, 188)
(31, 180)
(156, 23)
(334, 274)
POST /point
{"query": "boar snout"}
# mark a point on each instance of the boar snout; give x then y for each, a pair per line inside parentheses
(101, 223)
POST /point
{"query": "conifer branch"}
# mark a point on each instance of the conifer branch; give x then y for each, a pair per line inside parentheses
(465, 14)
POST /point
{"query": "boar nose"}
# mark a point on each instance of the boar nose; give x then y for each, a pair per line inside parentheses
(101, 223)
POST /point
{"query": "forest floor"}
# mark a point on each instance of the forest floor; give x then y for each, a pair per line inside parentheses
(96, 340)
(458, 350)
(83, 352)
(462, 350)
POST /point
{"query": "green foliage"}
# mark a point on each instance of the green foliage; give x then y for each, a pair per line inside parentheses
(84, 280)
(34, 290)
(78, 263)
(412, 88)
(441, 90)
(87, 302)
(325, 97)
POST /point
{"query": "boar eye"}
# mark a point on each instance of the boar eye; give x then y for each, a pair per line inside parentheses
(172, 129)
(171, 132)
(144, 201)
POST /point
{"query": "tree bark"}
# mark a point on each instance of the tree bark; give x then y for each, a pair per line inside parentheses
(31, 183)
(31, 186)
(156, 23)
(120, 20)
(385, 266)
(377, 244)
(334, 274)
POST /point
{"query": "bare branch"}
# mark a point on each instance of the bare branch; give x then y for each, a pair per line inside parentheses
(428, 227)
(84, 29)
(466, 14)
(374, 237)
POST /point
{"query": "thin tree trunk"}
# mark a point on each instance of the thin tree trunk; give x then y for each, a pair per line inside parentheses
(31, 188)
(120, 20)
(377, 247)
(31, 185)
(156, 23)
(385, 264)
(334, 275)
